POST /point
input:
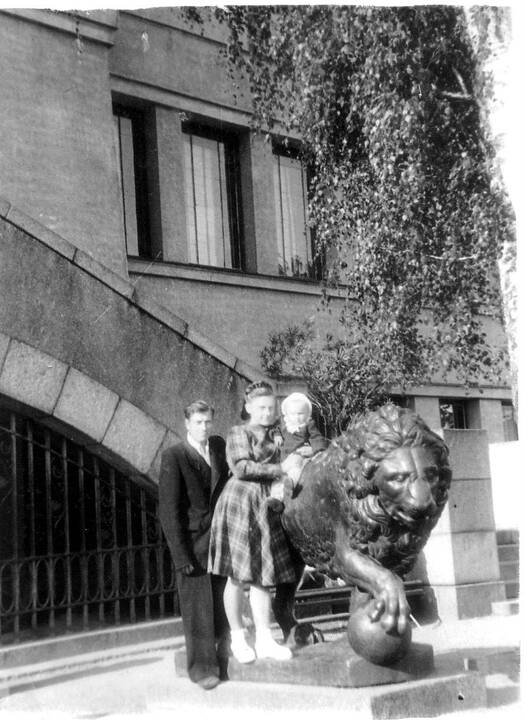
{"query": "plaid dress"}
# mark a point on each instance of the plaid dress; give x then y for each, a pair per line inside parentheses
(247, 540)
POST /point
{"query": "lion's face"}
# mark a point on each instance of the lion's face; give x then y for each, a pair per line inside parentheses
(406, 480)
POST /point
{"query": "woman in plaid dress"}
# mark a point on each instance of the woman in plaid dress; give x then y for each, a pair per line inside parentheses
(248, 544)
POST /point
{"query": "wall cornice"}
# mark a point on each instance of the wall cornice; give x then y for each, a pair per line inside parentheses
(96, 25)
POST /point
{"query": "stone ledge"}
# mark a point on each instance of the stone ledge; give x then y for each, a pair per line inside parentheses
(4, 207)
(40, 233)
(92, 266)
(251, 373)
(89, 27)
(504, 608)
(143, 300)
(4, 344)
(34, 656)
(210, 347)
(429, 698)
(208, 275)
(468, 600)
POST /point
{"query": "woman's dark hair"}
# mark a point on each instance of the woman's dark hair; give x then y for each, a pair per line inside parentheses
(261, 388)
(258, 389)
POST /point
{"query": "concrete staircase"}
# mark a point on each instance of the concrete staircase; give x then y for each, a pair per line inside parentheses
(508, 557)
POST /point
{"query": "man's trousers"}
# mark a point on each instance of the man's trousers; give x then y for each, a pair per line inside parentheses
(205, 624)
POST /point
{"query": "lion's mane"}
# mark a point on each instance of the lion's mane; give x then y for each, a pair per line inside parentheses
(368, 440)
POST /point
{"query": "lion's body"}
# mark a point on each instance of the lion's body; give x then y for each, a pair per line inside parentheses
(339, 520)
(339, 491)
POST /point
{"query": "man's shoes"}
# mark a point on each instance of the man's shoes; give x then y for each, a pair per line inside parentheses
(275, 505)
(209, 682)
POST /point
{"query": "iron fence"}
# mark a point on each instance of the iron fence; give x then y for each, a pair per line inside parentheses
(80, 543)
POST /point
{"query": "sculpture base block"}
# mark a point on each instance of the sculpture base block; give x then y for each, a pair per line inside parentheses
(331, 664)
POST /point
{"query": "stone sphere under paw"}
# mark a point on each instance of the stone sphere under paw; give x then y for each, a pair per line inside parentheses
(371, 641)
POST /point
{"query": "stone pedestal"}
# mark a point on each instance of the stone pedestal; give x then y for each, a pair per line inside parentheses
(331, 664)
(461, 554)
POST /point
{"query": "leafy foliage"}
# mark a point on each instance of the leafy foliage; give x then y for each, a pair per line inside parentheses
(402, 201)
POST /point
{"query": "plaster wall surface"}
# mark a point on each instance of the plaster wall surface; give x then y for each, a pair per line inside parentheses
(151, 53)
(237, 317)
(57, 160)
(241, 313)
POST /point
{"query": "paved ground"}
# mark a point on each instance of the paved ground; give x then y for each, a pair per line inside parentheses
(145, 687)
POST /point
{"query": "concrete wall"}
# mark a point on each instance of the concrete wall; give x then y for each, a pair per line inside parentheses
(240, 311)
(239, 317)
(57, 160)
(82, 347)
(172, 55)
(461, 554)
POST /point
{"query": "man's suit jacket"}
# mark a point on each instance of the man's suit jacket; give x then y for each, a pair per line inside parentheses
(188, 492)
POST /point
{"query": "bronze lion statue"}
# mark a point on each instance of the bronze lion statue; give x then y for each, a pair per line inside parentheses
(363, 510)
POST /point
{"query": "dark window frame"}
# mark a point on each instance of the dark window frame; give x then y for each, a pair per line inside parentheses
(459, 413)
(318, 261)
(142, 210)
(231, 145)
(510, 432)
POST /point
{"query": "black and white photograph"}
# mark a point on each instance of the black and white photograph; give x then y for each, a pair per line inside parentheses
(260, 311)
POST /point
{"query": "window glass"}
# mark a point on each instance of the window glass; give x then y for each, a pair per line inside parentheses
(124, 144)
(130, 141)
(211, 199)
(453, 414)
(294, 253)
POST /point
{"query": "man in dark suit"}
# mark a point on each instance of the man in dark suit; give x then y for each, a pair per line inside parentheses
(193, 473)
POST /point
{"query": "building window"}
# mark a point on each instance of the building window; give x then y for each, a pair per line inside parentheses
(453, 414)
(510, 429)
(294, 244)
(212, 190)
(130, 133)
(402, 401)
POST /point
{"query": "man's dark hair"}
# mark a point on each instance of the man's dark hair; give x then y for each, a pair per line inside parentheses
(198, 406)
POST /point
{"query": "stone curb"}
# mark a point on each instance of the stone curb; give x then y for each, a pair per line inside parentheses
(88, 263)
(20, 676)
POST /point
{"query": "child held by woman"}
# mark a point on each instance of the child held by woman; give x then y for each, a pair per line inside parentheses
(301, 440)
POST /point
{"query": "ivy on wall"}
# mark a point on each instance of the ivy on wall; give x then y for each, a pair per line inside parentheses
(403, 202)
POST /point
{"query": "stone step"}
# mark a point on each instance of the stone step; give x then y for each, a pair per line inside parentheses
(508, 537)
(509, 570)
(512, 589)
(505, 607)
(75, 644)
(508, 552)
(427, 697)
(20, 676)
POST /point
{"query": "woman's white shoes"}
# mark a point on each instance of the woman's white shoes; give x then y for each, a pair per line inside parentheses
(242, 652)
(268, 648)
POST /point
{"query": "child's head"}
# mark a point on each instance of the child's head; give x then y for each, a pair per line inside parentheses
(260, 403)
(296, 409)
